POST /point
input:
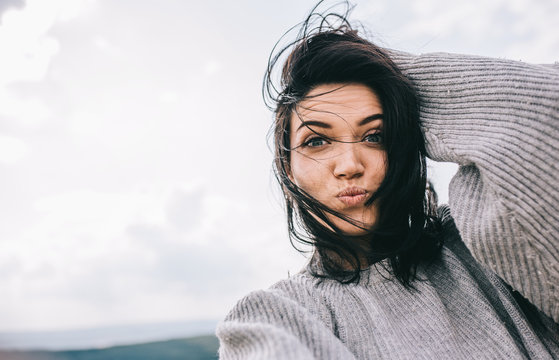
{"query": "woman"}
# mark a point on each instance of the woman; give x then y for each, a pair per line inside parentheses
(391, 276)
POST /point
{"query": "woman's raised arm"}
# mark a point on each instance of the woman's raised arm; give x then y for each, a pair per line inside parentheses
(499, 120)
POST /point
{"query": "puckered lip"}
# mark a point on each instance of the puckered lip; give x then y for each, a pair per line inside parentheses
(353, 196)
(352, 191)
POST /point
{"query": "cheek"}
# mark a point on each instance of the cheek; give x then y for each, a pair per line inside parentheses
(308, 174)
(377, 165)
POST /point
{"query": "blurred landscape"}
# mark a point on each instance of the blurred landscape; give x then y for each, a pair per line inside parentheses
(103, 337)
(170, 340)
(194, 348)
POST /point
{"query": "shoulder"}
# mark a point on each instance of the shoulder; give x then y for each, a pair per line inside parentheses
(285, 321)
(297, 294)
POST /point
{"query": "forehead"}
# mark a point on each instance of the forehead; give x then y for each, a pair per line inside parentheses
(331, 101)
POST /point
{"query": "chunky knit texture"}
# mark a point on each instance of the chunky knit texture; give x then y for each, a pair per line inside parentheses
(499, 120)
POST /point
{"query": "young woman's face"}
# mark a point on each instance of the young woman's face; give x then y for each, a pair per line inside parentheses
(337, 155)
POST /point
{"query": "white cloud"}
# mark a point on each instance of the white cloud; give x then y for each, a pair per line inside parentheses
(519, 29)
(130, 255)
(12, 149)
(440, 175)
(26, 113)
(26, 48)
(27, 51)
(70, 9)
(212, 67)
(168, 97)
(86, 124)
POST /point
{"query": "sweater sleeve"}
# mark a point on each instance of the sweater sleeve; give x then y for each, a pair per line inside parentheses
(499, 120)
(269, 325)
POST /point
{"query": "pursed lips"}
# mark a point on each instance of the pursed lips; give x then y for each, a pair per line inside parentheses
(352, 196)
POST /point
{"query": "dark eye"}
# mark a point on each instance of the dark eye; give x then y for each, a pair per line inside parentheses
(315, 142)
(374, 138)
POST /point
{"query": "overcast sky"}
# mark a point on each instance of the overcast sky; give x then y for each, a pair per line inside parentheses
(135, 179)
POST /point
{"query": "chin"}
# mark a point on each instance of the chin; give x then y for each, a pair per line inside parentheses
(365, 224)
(352, 230)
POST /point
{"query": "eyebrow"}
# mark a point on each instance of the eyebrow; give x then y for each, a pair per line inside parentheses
(314, 123)
(324, 125)
(368, 119)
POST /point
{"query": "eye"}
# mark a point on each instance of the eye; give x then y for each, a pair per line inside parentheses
(374, 138)
(315, 142)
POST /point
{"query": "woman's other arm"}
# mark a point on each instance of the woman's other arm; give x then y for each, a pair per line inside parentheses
(269, 325)
(499, 120)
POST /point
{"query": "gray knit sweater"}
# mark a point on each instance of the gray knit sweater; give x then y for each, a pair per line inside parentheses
(499, 120)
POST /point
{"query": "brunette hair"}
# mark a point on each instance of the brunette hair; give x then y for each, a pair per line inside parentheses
(328, 50)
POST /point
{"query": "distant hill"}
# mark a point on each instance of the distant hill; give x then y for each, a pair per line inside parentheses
(104, 337)
(194, 348)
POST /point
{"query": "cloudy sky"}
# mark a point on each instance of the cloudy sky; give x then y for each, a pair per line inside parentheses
(135, 179)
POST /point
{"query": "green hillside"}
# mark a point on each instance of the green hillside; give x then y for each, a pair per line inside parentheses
(195, 348)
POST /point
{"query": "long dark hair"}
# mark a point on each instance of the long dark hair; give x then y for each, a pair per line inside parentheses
(328, 50)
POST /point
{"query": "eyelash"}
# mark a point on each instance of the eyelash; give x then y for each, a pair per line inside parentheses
(308, 143)
(377, 134)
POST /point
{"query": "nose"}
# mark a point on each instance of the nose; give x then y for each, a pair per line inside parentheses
(348, 162)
